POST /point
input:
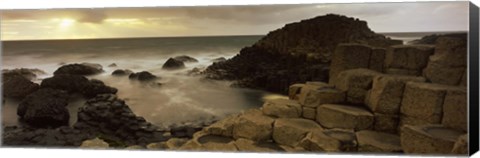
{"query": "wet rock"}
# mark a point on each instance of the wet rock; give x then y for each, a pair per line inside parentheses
(77, 84)
(142, 76)
(431, 139)
(378, 142)
(173, 64)
(356, 83)
(185, 59)
(282, 108)
(290, 131)
(45, 108)
(27, 73)
(27, 137)
(122, 72)
(18, 87)
(95, 144)
(96, 87)
(112, 65)
(254, 126)
(79, 69)
(344, 116)
(194, 72)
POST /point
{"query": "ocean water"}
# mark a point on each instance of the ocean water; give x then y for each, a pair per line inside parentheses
(181, 98)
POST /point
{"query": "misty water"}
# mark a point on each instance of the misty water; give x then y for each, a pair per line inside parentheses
(181, 98)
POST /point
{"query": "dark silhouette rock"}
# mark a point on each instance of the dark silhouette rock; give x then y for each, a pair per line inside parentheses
(77, 84)
(112, 65)
(29, 74)
(220, 59)
(296, 53)
(18, 87)
(172, 64)
(120, 72)
(142, 76)
(79, 69)
(431, 39)
(63, 136)
(185, 59)
(45, 108)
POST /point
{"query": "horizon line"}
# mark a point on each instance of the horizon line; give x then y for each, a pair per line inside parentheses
(197, 36)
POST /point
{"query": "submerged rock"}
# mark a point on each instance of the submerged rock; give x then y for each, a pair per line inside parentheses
(185, 59)
(18, 87)
(29, 74)
(77, 84)
(45, 108)
(172, 64)
(142, 76)
(79, 69)
(220, 59)
(112, 65)
(120, 72)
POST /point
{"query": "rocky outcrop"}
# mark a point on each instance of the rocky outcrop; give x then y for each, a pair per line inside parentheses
(298, 52)
(173, 64)
(29, 74)
(185, 59)
(142, 76)
(94, 144)
(220, 59)
(431, 139)
(120, 72)
(407, 59)
(58, 137)
(18, 86)
(77, 84)
(432, 39)
(79, 69)
(45, 108)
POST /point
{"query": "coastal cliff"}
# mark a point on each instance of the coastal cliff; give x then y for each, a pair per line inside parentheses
(298, 52)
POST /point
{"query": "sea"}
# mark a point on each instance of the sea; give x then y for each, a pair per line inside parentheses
(181, 99)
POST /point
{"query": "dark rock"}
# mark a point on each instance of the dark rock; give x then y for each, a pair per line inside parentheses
(77, 84)
(431, 39)
(45, 108)
(184, 58)
(112, 65)
(120, 72)
(296, 53)
(142, 76)
(60, 137)
(172, 64)
(29, 74)
(195, 71)
(220, 59)
(18, 86)
(79, 69)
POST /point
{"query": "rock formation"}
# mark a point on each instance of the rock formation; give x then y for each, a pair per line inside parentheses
(173, 64)
(142, 76)
(45, 108)
(298, 52)
(79, 69)
(185, 59)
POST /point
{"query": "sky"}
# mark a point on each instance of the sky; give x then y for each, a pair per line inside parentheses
(35, 24)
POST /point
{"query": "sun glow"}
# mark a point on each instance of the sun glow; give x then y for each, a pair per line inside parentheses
(64, 23)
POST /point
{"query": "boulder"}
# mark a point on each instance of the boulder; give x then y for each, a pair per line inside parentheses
(461, 145)
(356, 83)
(378, 142)
(282, 108)
(347, 138)
(18, 87)
(309, 86)
(387, 92)
(96, 87)
(386, 122)
(309, 113)
(185, 59)
(172, 64)
(142, 76)
(428, 139)
(424, 101)
(325, 95)
(79, 69)
(403, 72)
(319, 141)
(344, 116)
(45, 108)
(409, 57)
(294, 90)
(77, 84)
(223, 127)
(246, 145)
(377, 59)
(290, 131)
(435, 72)
(349, 56)
(95, 144)
(254, 126)
(120, 72)
(112, 65)
(27, 73)
(455, 109)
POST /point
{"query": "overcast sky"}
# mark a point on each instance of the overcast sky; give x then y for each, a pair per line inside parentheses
(222, 20)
